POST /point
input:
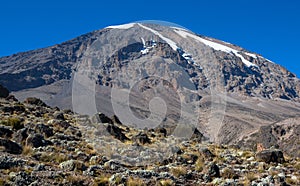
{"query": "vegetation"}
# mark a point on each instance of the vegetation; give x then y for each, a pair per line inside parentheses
(15, 123)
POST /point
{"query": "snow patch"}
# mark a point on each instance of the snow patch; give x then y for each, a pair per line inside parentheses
(172, 44)
(169, 41)
(215, 46)
(250, 54)
(124, 26)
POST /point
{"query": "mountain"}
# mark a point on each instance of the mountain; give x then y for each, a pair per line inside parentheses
(152, 74)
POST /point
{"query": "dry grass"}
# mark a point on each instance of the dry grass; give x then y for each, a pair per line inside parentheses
(166, 182)
(27, 150)
(200, 164)
(102, 180)
(135, 182)
(229, 173)
(178, 171)
(251, 176)
(55, 158)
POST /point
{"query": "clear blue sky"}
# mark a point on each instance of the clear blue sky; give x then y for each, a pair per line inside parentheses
(270, 28)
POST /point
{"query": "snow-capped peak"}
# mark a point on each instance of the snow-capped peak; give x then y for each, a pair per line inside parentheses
(124, 26)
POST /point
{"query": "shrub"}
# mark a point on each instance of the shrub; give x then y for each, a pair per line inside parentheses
(199, 165)
(167, 182)
(228, 173)
(178, 171)
(135, 182)
(27, 150)
(102, 180)
(15, 123)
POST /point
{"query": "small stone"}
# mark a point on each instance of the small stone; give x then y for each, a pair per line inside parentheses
(213, 170)
(59, 115)
(71, 165)
(94, 160)
(207, 153)
(251, 158)
(39, 167)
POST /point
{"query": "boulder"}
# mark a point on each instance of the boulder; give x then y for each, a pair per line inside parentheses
(59, 115)
(44, 129)
(35, 101)
(213, 170)
(116, 132)
(116, 120)
(270, 155)
(142, 138)
(36, 140)
(10, 146)
(101, 118)
(20, 135)
(5, 132)
(162, 131)
(3, 92)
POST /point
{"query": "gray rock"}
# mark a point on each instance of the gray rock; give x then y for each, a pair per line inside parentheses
(270, 155)
(101, 118)
(35, 101)
(22, 178)
(59, 115)
(213, 170)
(71, 165)
(147, 174)
(37, 140)
(20, 135)
(117, 179)
(7, 162)
(39, 167)
(142, 138)
(207, 153)
(44, 129)
(116, 132)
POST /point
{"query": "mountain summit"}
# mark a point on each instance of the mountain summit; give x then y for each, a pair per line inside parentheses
(152, 74)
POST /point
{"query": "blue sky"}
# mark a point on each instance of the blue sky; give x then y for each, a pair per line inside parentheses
(270, 28)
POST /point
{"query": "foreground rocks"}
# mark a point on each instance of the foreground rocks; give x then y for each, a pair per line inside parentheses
(45, 146)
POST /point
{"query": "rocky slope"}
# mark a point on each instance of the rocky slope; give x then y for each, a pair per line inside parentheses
(232, 96)
(41, 145)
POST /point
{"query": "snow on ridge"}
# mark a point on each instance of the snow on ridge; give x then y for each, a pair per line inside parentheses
(124, 26)
(169, 41)
(173, 45)
(251, 55)
(215, 46)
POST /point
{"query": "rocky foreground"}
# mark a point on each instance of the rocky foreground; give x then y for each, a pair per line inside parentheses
(45, 146)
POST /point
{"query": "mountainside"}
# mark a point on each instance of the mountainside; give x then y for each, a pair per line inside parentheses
(41, 145)
(165, 75)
